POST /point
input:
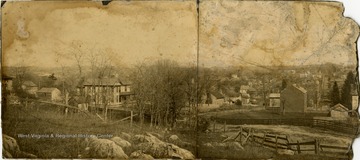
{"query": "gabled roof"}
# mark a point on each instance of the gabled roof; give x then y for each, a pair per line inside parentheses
(339, 107)
(5, 77)
(244, 87)
(47, 90)
(245, 95)
(102, 82)
(106, 82)
(217, 95)
(29, 84)
(274, 95)
(299, 88)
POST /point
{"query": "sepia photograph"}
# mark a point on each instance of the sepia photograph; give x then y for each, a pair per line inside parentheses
(179, 79)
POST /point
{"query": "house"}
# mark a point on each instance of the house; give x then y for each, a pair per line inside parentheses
(274, 100)
(217, 97)
(49, 94)
(293, 99)
(244, 89)
(247, 89)
(245, 98)
(111, 91)
(7, 83)
(30, 87)
(339, 111)
(79, 101)
(354, 98)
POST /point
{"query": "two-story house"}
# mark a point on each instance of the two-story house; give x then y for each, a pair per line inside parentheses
(111, 91)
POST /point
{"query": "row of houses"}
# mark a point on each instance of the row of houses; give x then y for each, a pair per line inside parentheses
(109, 90)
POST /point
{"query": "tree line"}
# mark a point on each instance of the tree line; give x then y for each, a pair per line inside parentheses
(344, 95)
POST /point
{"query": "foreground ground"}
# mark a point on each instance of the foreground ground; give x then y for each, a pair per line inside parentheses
(46, 120)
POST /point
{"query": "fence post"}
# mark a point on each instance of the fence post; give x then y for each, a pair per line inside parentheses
(276, 142)
(241, 130)
(131, 118)
(262, 144)
(298, 147)
(214, 125)
(316, 146)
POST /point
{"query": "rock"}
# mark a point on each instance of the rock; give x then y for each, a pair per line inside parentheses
(174, 138)
(140, 155)
(235, 146)
(208, 145)
(121, 142)
(224, 136)
(12, 150)
(180, 152)
(104, 148)
(159, 149)
(228, 145)
(125, 136)
(285, 152)
(10, 146)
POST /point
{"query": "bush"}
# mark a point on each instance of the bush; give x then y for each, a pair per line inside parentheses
(238, 102)
(203, 124)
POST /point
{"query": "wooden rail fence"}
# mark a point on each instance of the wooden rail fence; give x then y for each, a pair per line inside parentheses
(276, 142)
(334, 125)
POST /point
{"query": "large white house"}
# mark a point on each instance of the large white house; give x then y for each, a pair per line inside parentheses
(108, 90)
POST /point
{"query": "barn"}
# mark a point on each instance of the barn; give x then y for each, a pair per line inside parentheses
(293, 99)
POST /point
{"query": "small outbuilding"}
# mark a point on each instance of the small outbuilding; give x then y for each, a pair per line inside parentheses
(49, 94)
(339, 111)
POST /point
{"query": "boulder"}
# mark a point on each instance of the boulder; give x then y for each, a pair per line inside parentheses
(121, 142)
(235, 146)
(140, 155)
(159, 149)
(179, 152)
(285, 152)
(209, 145)
(174, 138)
(125, 136)
(103, 148)
(12, 150)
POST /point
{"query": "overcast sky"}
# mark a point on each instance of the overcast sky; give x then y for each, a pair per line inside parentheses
(231, 32)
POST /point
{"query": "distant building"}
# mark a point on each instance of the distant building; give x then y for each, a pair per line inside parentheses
(354, 98)
(29, 87)
(49, 94)
(293, 99)
(274, 100)
(7, 83)
(217, 97)
(245, 98)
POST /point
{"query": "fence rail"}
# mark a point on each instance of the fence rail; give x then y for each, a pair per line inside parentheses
(282, 142)
(334, 125)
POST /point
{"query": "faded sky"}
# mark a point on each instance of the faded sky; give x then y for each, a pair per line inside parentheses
(275, 33)
(36, 33)
(231, 32)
